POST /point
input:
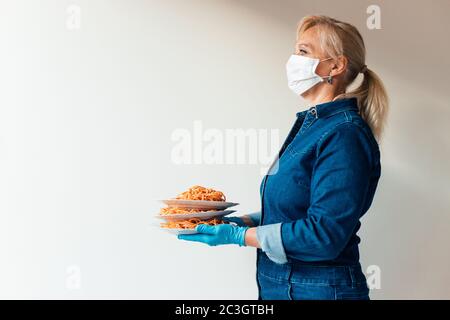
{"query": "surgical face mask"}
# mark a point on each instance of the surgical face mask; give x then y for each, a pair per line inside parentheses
(301, 73)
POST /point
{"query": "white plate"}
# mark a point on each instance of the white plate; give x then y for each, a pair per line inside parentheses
(201, 215)
(157, 225)
(179, 231)
(199, 204)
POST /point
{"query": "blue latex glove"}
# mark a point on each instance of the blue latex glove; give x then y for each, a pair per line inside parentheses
(238, 220)
(217, 235)
(250, 220)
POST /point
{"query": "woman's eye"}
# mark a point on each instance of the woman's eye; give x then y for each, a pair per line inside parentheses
(302, 52)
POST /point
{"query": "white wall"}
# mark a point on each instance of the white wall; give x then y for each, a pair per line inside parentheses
(86, 118)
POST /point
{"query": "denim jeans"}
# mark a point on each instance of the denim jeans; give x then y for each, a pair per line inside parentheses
(310, 282)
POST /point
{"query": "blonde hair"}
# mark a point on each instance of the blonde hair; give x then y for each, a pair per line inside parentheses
(339, 38)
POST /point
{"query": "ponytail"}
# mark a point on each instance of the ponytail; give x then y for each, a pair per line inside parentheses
(373, 102)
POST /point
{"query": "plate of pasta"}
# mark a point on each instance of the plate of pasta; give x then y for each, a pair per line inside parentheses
(175, 213)
(197, 205)
(198, 197)
(187, 226)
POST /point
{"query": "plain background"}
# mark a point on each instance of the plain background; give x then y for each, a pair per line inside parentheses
(86, 118)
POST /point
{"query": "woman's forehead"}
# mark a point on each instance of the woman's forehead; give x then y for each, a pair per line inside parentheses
(308, 38)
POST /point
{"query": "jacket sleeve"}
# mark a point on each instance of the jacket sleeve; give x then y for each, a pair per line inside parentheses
(339, 184)
(269, 238)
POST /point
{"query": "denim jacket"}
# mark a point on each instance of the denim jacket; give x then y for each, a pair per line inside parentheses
(327, 173)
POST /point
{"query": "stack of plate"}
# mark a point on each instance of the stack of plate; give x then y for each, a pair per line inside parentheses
(208, 210)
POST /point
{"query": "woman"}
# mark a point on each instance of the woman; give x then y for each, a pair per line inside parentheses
(325, 176)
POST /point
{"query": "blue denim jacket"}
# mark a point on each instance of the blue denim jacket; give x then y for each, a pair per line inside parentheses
(327, 173)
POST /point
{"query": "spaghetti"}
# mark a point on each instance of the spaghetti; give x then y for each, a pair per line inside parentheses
(176, 210)
(201, 193)
(190, 223)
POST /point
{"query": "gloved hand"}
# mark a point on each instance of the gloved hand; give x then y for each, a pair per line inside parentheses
(217, 235)
(238, 220)
(248, 220)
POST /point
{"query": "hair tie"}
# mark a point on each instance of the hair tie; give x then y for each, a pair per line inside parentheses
(364, 69)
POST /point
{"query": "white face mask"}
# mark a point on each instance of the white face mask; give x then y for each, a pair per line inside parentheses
(301, 73)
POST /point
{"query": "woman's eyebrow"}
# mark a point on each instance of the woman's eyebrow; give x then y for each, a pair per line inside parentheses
(301, 44)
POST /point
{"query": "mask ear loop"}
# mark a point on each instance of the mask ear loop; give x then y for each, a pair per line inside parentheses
(330, 77)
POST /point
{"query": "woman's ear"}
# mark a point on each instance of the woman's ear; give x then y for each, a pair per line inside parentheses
(339, 66)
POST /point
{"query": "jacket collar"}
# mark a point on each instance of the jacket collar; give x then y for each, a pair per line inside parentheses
(330, 108)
